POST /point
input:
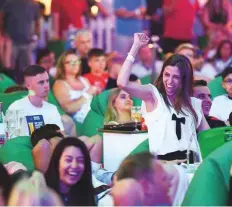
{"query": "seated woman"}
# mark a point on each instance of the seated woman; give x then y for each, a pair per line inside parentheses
(171, 114)
(119, 107)
(72, 91)
(69, 173)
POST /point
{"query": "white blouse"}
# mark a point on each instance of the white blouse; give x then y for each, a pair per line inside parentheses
(162, 129)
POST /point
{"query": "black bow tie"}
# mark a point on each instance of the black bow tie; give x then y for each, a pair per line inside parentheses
(178, 124)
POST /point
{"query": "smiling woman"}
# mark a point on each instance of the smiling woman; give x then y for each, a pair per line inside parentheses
(171, 114)
(69, 173)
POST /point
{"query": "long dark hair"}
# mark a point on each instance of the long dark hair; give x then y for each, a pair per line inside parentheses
(221, 44)
(182, 99)
(82, 193)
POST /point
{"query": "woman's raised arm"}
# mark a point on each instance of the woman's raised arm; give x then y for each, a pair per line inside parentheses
(143, 92)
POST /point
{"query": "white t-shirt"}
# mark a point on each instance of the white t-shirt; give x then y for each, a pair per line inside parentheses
(221, 107)
(162, 129)
(48, 111)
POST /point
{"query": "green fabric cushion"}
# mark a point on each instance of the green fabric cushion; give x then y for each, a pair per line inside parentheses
(19, 150)
(92, 123)
(211, 139)
(215, 87)
(147, 79)
(5, 82)
(210, 184)
(99, 103)
(142, 147)
(52, 100)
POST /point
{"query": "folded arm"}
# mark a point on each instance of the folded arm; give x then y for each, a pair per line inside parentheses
(62, 95)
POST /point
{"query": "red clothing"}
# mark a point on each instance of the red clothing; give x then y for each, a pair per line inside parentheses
(70, 12)
(179, 23)
(98, 81)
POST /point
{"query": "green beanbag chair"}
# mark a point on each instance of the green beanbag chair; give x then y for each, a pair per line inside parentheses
(142, 147)
(95, 117)
(19, 150)
(5, 82)
(211, 139)
(215, 87)
(52, 100)
(210, 184)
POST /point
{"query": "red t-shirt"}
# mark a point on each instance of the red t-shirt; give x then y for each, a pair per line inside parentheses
(179, 23)
(70, 12)
(98, 81)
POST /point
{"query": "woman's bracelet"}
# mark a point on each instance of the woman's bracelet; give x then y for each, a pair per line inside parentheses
(130, 57)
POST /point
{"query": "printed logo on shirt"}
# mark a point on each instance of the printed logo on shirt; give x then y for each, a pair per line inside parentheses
(34, 122)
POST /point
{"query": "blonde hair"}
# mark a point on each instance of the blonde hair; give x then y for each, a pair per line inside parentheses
(61, 66)
(111, 112)
(33, 192)
(185, 46)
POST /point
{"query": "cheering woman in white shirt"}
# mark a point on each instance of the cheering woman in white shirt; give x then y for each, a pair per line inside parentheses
(171, 114)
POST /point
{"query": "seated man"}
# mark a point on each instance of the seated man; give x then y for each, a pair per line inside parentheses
(159, 182)
(201, 91)
(222, 105)
(36, 111)
(69, 125)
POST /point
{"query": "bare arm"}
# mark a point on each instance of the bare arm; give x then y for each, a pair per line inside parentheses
(41, 154)
(143, 92)
(61, 93)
